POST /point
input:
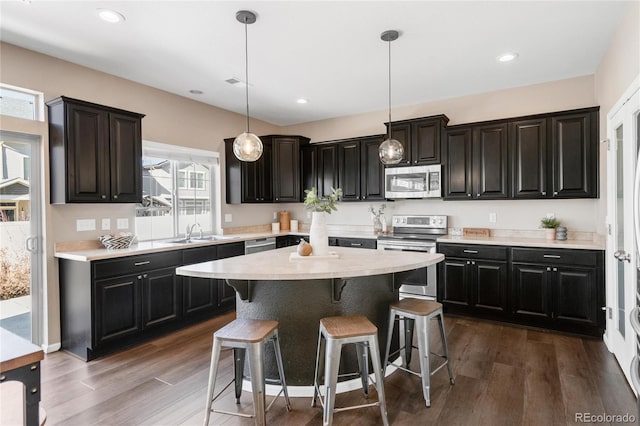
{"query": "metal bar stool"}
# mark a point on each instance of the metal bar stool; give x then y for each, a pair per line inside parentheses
(339, 331)
(246, 335)
(420, 312)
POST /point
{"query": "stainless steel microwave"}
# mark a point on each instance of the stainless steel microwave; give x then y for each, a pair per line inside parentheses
(413, 182)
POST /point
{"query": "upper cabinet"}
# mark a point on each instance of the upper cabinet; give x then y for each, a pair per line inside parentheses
(543, 156)
(274, 177)
(95, 153)
(371, 169)
(421, 139)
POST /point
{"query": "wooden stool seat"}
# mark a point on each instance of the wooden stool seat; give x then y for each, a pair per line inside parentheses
(246, 337)
(246, 330)
(344, 327)
(416, 306)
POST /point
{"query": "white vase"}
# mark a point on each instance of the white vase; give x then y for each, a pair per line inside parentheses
(318, 234)
(550, 233)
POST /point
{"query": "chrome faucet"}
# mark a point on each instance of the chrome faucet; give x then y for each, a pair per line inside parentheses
(190, 230)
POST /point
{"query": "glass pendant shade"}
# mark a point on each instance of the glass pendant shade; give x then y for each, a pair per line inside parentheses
(391, 151)
(247, 147)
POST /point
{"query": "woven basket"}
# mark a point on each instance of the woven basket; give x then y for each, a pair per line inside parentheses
(113, 242)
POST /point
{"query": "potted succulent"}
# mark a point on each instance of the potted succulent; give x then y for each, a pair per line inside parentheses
(320, 206)
(549, 224)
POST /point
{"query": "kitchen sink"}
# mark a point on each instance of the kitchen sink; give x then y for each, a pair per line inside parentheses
(199, 239)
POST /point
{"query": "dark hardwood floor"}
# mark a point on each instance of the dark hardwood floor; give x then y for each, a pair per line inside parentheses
(504, 375)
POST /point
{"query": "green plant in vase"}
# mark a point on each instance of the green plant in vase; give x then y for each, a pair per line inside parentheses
(322, 204)
(318, 234)
(549, 224)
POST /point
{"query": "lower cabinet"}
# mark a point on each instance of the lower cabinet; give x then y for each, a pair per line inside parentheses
(474, 278)
(108, 304)
(560, 289)
(369, 243)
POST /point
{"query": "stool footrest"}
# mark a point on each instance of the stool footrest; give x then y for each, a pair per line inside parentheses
(354, 407)
(231, 413)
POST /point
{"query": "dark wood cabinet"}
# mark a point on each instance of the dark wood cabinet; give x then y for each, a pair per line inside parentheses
(529, 158)
(95, 153)
(477, 162)
(161, 297)
(286, 170)
(327, 169)
(371, 169)
(108, 304)
(474, 278)
(349, 170)
(574, 149)
(117, 309)
(308, 168)
(274, 177)
(367, 243)
(558, 287)
(421, 139)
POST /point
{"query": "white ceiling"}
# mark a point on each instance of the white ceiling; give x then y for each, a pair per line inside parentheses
(329, 52)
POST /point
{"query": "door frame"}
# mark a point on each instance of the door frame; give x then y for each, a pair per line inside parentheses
(36, 230)
(623, 347)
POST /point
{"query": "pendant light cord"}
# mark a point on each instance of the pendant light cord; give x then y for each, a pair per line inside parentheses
(389, 42)
(246, 68)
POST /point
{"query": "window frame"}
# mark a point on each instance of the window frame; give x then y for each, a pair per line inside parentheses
(38, 101)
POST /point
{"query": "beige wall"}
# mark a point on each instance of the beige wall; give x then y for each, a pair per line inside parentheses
(175, 120)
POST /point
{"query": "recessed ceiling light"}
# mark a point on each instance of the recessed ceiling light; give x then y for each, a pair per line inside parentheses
(507, 57)
(303, 101)
(195, 92)
(110, 16)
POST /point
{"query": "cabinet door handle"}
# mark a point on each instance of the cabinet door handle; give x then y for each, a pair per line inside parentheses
(470, 251)
(146, 262)
(551, 256)
(356, 244)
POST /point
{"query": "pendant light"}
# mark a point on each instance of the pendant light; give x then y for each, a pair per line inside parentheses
(390, 150)
(247, 146)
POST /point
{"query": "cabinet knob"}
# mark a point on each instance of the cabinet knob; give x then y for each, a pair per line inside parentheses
(473, 262)
(548, 268)
(103, 197)
(145, 276)
(415, 161)
(468, 262)
(555, 269)
(115, 196)
(139, 277)
(544, 192)
(357, 197)
(364, 197)
(555, 192)
(277, 199)
(478, 195)
(468, 195)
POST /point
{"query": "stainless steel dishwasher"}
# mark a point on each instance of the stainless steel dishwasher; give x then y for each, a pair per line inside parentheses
(260, 244)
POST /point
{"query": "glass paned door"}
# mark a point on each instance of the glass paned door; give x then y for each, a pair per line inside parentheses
(621, 255)
(20, 236)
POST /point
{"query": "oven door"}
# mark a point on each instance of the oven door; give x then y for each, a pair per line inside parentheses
(421, 283)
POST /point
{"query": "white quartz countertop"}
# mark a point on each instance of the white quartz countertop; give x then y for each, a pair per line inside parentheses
(275, 265)
(526, 242)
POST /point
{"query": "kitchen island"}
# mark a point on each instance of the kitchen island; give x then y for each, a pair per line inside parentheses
(299, 292)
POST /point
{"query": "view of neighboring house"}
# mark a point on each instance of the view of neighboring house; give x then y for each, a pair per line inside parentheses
(14, 182)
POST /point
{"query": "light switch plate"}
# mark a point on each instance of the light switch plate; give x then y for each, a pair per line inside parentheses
(123, 223)
(106, 224)
(85, 225)
(228, 217)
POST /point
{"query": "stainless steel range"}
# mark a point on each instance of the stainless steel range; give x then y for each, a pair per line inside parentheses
(416, 233)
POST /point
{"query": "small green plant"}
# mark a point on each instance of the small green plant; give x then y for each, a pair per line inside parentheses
(322, 204)
(549, 222)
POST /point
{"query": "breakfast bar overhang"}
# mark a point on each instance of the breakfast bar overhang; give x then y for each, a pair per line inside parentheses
(298, 292)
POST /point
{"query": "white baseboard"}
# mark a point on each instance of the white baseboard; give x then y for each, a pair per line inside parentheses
(51, 348)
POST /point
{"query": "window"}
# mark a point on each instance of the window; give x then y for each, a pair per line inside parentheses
(178, 191)
(21, 103)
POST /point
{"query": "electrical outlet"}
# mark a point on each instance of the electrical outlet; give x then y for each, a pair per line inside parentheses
(228, 218)
(85, 225)
(106, 224)
(275, 215)
(455, 232)
(122, 223)
(493, 218)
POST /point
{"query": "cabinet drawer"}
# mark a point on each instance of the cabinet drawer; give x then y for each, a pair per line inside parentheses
(473, 251)
(357, 243)
(200, 254)
(136, 264)
(555, 256)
